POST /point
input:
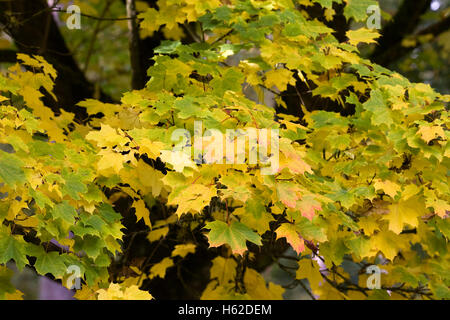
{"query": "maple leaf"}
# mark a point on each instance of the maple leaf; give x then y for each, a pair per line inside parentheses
(290, 232)
(287, 193)
(387, 242)
(65, 212)
(279, 78)
(309, 269)
(107, 137)
(37, 62)
(115, 291)
(356, 9)
(308, 206)
(134, 293)
(441, 207)
(192, 198)
(150, 177)
(255, 215)
(159, 269)
(178, 159)
(257, 287)
(157, 234)
(429, 133)
(183, 250)
(10, 169)
(294, 162)
(389, 187)
(405, 212)
(12, 247)
(362, 35)
(50, 262)
(224, 270)
(142, 212)
(235, 235)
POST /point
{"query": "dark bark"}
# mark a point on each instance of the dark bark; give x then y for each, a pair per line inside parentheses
(8, 56)
(300, 94)
(34, 31)
(397, 51)
(403, 24)
(138, 77)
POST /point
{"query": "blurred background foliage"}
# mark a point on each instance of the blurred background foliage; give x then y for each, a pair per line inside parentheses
(428, 62)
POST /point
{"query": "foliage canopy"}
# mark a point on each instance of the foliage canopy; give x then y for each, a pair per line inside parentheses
(369, 184)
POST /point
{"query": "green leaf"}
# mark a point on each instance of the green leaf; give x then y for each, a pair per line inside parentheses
(333, 251)
(10, 169)
(108, 214)
(168, 46)
(310, 231)
(357, 9)
(73, 186)
(65, 212)
(12, 247)
(51, 262)
(235, 235)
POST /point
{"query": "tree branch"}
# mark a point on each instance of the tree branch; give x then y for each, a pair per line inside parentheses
(402, 25)
(138, 77)
(398, 51)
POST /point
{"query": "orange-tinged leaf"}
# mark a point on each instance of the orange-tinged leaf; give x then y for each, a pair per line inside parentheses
(289, 231)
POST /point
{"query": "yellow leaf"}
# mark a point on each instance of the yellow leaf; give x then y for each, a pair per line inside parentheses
(309, 269)
(279, 78)
(110, 160)
(405, 212)
(159, 269)
(429, 133)
(257, 288)
(289, 231)
(389, 187)
(363, 35)
(151, 148)
(157, 234)
(117, 292)
(114, 292)
(150, 177)
(107, 137)
(369, 224)
(387, 242)
(193, 198)
(178, 159)
(440, 206)
(183, 250)
(329, 13)
(133, 293)
(142, 212)
(224, 270)
(327, 292)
